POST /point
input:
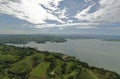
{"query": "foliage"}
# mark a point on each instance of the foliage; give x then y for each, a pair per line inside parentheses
(29, 63)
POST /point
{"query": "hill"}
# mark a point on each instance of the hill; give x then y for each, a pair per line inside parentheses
(29, 63)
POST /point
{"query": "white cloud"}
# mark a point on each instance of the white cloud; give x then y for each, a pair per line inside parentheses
(62, 13)
(83, 15)
(31, 10)
(88, 1)
(34, 12)
(78, 25)
(109, 11)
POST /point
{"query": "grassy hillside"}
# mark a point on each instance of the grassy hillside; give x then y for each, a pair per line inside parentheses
(29, 63)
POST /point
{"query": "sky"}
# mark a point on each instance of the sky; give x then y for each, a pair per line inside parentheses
(60, 16)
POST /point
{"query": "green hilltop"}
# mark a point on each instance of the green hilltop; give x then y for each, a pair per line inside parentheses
(29, 63)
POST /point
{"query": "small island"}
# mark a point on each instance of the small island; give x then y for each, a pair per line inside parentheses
(30, 63)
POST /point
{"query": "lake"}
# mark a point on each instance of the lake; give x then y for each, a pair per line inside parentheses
(103, 54)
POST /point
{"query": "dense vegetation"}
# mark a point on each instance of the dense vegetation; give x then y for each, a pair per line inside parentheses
(23, 39)
(29, 63)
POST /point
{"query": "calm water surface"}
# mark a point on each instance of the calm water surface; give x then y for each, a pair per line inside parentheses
(103, 54)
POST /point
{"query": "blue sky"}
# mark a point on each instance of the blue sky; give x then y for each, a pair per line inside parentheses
(60, 16)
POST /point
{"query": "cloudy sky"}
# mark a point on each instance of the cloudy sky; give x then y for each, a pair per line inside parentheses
(60, 16)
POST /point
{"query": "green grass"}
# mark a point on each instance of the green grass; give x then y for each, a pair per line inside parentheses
(39, 65)
(87, 74)
(9, 58)
(41, 70)
(69, 67)
(72, 75)
(26, 65)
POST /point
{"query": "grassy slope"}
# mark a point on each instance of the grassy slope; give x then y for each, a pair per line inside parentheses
(87, 74)
(40, 71)
(44, 65)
